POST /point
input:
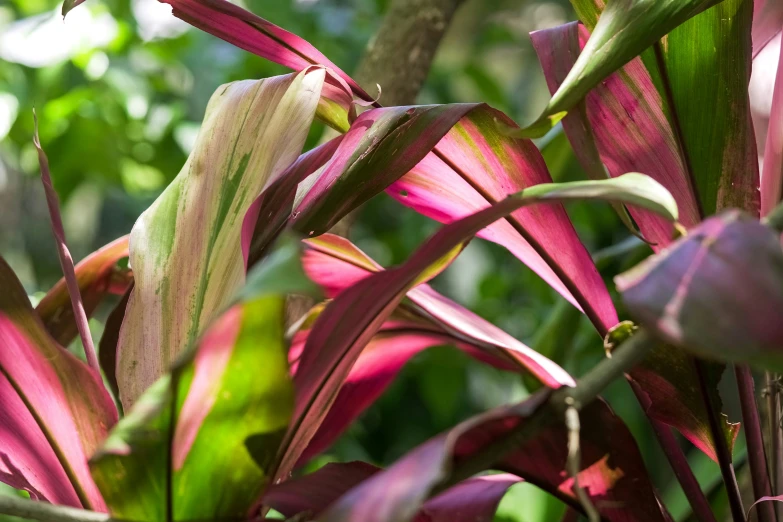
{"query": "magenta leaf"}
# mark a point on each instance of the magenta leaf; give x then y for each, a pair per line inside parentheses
(54, 411)
(335, 343)
(473, 500)
(621, 124)
(256, 35)
(613, 473)
(717, 293)
(476, 165)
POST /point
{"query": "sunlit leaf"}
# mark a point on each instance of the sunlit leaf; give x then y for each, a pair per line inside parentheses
(354, 317)
(624, 29)
(220, 413)
(185, 250)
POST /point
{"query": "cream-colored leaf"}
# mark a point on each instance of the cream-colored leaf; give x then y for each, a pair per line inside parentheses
(185, 249)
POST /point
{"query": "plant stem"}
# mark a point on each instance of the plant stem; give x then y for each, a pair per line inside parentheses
(721, 448)
(682, 470)
(628, 354)
(775, 437)
(66, 261)
(755, 443)
(45, 512)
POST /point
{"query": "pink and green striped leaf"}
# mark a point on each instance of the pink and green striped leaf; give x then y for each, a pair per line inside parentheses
(613, 473)
(701, 70)
(623, 31)
(185, 250)
(355, 316)
(97, 276)
(54, 411)
(211, 416)
(336, 264)
(438, 186)
(622, 125)
(717, 293)
(476, 165)
(381, 146)
(473, 500)
(708, 63)
(429, 319)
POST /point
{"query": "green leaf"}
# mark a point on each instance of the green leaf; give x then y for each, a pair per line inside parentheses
(198, 444)
(623, 31)
(632, 189)
(185, 249)
(708, 61)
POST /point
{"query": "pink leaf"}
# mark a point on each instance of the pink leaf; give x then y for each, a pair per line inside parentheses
(623, 120)
(613, 473)
(474, 500)
(767, 22)
(54, 408)
(256, 35)
(476, 165)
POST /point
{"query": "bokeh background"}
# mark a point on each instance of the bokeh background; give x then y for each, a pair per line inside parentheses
(120, 88)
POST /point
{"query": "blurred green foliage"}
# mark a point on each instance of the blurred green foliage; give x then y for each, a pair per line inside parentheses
(120, 89)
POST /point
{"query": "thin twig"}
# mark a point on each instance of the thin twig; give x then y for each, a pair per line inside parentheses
(574, 462)
(66, 261)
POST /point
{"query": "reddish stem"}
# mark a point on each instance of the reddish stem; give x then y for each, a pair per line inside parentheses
(66, 261)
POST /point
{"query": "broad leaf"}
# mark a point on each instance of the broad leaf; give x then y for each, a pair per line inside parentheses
(350, 321)
(336, 264)
(97, 275)
(477, 161)
(624, 29)
(186, 249)
(211, 416)
(473, 500)
(477, 165)
(382, 145)
(708, 62)
(54, 411)
(621, 124)
(717, 293)
(613, 473)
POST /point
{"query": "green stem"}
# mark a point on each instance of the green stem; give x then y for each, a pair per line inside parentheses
(627, 355)
(45, 512)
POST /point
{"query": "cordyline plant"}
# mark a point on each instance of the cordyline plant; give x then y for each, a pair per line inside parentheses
(222, 404)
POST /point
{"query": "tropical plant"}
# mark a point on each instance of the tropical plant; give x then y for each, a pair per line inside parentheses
(201, 404)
